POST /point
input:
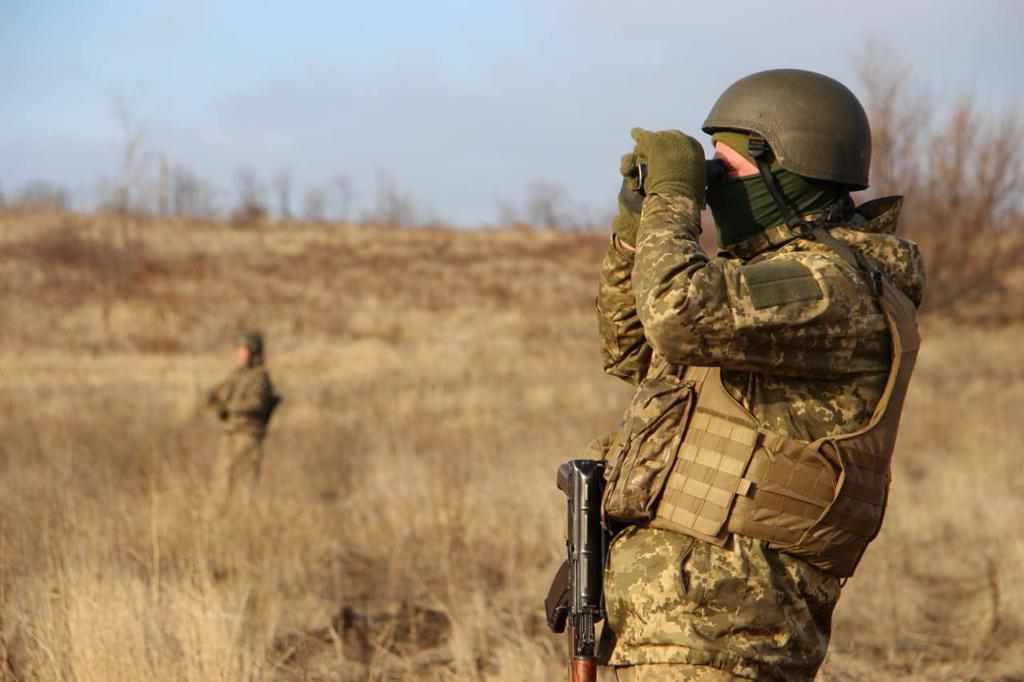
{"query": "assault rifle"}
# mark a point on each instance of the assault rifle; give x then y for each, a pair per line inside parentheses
(576, 596)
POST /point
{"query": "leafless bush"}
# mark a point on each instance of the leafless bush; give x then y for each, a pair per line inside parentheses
(283, 189)
(41, 195)
(314, 205)
(547, 205)
(343, 185)
(393, 207)
(131, 193)
(86, 264)
(962, 173)
(252, 203)
(248, 214)
(190, 195)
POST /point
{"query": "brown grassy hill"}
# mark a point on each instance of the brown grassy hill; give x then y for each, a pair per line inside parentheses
(408, 522)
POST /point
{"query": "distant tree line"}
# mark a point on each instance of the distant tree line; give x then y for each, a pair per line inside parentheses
(165, 189)
(36, 195)
(960, 169)
(150, 183)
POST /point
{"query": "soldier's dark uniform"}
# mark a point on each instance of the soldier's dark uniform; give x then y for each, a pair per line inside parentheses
(244, 402)
(807, 357)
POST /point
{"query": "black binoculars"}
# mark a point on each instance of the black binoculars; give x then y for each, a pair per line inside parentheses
(714, 172)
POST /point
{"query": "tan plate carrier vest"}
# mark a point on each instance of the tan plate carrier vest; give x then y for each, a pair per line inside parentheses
(822, 501)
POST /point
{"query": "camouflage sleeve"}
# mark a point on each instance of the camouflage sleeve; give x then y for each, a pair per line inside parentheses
(804, 313)
(253, 396)
(623, 346)
(217, 396)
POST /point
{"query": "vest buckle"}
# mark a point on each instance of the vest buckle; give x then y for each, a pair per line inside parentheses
(875, 280)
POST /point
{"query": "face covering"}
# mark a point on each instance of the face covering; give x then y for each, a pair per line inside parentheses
(743, 207)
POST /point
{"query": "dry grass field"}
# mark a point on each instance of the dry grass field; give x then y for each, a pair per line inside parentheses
(407, 524)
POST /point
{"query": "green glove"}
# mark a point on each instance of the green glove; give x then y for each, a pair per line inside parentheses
(631, 201)
(675, 163)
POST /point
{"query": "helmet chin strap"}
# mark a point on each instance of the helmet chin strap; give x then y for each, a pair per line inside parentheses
(758, 148)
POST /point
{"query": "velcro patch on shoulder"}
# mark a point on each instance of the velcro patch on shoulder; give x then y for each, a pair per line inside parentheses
(775, 282)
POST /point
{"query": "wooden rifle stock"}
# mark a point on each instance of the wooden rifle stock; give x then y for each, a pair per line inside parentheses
(583, 670)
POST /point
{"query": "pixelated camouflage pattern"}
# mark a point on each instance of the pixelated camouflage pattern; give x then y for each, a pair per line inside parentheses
(872, 231)
(627, 354)
(743, 609)
(698, 311)
(236, 471)
(675, 306)
(244, 400)
(673, 672)
(643, 459)
(805, 369)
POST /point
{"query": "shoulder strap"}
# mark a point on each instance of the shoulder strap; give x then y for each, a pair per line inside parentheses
(901, 318)
(758, 148)
(853, 257)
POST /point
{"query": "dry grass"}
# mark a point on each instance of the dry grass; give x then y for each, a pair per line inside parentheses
(408, 522)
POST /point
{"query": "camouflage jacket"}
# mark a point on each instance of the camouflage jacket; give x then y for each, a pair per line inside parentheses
(807, 367)
(808, 356)
(245, 400)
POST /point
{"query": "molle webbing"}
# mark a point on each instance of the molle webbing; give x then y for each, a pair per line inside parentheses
(712, 460)
(822, 501)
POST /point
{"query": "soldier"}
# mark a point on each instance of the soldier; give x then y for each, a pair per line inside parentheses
(244, 402)
(752, 467)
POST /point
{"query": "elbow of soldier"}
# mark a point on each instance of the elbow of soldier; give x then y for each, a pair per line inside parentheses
(617, 370)
(672, 340)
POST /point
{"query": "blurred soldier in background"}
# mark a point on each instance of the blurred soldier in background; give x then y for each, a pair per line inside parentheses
(244, 402)
(752, 467)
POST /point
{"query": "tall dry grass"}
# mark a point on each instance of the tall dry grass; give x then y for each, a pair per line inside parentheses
(407, 523)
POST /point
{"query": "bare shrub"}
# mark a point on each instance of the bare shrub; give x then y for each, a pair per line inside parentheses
(314, 205)
(962, 172)
(343, 186)
(283, 189)
(248, 214)
(95, 276)
(65, 246)
(547, 205)
(190, 195)
(41, 195)
(252, 203)
(392, 207)
(130, 193)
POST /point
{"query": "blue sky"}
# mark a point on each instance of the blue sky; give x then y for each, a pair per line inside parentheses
(462, 103)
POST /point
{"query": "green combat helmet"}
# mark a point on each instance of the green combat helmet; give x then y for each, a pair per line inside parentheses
(253, 341)
(814, 125)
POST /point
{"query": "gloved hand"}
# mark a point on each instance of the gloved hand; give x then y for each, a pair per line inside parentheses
(631, 201)
(675, 163)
